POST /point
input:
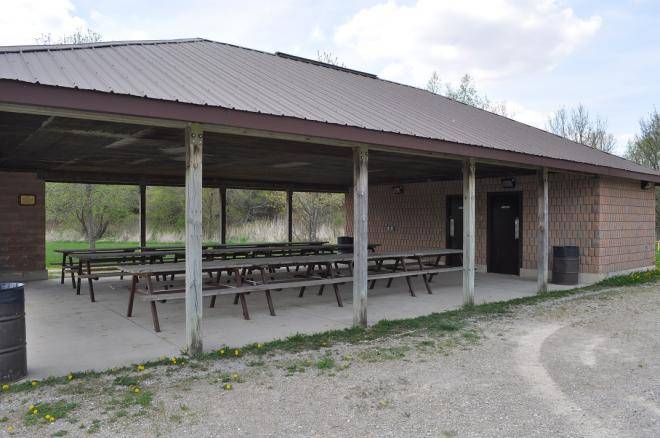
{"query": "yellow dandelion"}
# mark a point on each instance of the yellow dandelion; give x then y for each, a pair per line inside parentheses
(237, 352)
(36, 411)
(140, 367)
(70, 376)
(30, 408)
(221, 352)
(234, 376)
(10, 428)
(5, 387)
(35, 383)
(136, 390)
(174, 361)
(260, 345)
(47, 417)
(227, 387)
(51, 419)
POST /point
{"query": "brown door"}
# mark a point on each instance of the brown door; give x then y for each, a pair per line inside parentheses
(454, 226)
(504, 232)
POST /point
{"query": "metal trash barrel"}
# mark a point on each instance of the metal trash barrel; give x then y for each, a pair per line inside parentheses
(13, 358)
(345, 240)
(565, 264)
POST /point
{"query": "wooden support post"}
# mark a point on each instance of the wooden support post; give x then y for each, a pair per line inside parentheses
(222, 195)
(542, 234)
(360, 234)
(289, 214)
(469, 184)
(194, 303)
(143, 215)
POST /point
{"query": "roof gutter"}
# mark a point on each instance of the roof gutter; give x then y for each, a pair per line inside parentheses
(16, 96)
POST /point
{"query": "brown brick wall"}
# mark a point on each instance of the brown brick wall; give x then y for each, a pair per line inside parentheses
(584, 211)
(626, 232)
(22, 228)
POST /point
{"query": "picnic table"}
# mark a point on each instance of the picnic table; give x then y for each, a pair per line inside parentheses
(387, 265)
(69, 253)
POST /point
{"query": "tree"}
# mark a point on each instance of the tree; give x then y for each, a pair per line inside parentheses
(467, 93)
(578, 125)
(313, 210)
(93, 226)
(329, 58)
(644, 149)
(92, 211)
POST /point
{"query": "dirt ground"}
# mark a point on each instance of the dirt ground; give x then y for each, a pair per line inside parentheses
(585, 366)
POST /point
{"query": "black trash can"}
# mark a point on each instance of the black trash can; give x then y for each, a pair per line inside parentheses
(13, 357)
(565, 264)
(345, 240)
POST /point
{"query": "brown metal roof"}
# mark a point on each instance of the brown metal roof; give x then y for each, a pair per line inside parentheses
(203, 72)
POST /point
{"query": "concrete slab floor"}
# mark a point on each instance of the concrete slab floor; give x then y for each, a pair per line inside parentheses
(66, 332)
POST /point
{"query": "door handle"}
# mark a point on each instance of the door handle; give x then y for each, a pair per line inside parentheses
(516, 231)
(451, 227)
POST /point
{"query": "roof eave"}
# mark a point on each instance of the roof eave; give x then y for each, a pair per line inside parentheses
(92, 104)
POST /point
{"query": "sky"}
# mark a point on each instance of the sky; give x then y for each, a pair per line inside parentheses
(535, 55)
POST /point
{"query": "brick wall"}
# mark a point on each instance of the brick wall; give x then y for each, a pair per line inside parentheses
(626, 216)
(22, 228)
(611, 221)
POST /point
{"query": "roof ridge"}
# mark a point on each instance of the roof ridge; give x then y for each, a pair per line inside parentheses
(98, 44)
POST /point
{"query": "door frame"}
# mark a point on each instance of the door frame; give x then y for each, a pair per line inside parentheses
(489, 229)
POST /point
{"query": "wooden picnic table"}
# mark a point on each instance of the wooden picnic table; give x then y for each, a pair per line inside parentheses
(70, 253)
(236, 269)
(102, 262)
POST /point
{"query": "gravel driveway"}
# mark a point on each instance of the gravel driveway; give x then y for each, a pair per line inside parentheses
(585, 366)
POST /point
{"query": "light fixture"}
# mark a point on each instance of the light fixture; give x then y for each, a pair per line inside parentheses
(508, 183)
(646, 185)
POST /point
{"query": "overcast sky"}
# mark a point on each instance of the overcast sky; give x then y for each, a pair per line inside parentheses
(536, 55)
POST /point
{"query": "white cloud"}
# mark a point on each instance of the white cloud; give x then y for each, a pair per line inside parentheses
(527, 115)
(489, 39)
(21, 21)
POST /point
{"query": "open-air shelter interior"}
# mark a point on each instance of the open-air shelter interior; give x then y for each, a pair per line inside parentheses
(80, 132)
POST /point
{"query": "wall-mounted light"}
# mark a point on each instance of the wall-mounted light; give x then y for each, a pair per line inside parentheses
(646, 185)
(508, 183)
(397, 190)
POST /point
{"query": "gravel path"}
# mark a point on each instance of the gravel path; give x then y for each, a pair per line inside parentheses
(579, 367)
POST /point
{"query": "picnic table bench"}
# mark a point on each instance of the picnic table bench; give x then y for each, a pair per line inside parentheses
(239, 285)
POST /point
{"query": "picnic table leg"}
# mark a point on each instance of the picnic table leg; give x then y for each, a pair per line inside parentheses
(241, 296)
(63, 265)
(331, 274)
(379, 266)
(437, 263)
(405, 268)
(152, 305)
(90, 280)
(396, 266)
(131, 297)
(309, 273)
(426, 282)
(73, 276)
(268, 297)
(80, 271)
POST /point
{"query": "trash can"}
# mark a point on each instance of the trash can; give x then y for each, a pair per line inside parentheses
(13, 357)
(565, 264)
(345, 240)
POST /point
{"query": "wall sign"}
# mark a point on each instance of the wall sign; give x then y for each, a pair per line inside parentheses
(27, 200)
